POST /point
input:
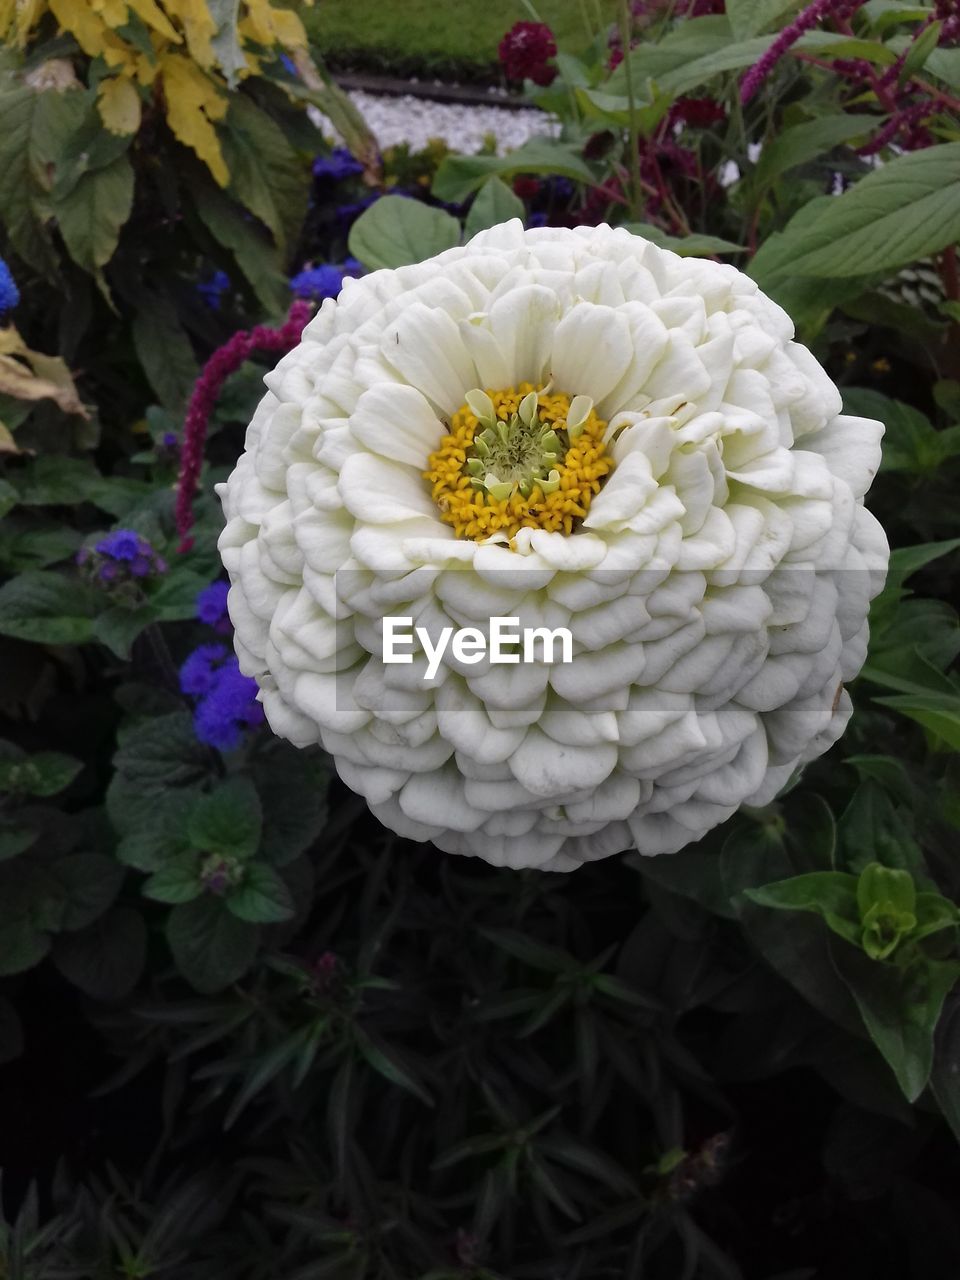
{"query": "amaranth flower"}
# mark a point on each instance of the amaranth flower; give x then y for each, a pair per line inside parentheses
(577, 429)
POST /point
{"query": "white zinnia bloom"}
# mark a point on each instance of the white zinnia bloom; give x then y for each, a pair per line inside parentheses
(717, 590)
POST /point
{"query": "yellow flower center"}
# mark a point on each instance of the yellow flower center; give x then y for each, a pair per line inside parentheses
(519, 459)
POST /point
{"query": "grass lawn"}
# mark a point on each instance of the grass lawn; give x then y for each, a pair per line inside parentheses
(401, 37)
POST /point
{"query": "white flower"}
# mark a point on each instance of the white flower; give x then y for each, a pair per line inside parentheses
(716, 587)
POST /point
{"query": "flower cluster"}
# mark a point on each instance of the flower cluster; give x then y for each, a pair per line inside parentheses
(226, 700)
(120, 560)
(325, 281)
(212, 288)
(524, 53)
(712, 558)
(339, 164)
(9, 293)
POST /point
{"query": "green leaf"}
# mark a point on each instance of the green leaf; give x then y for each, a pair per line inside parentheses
(911, 443)
(936, 712)
(905, 210)
(11, 1032)
(176, 880)
(227, 820)
(292, 785)
(33, 129)
(152, 823)
(919, 51)
(118, 627)
(91, 213)
(262, 897)
(830, 894)
(458, 176)
(396, 231)
(945, 1076)
(164, 351)
(694, 246)
(8, 498)
(266, 175)
(256, 255)
(804, 142)
(14, 840)
(106, 959)
(900, 1008)
(22, 945)
(44, 774)
(211, 947)
(47, 608)
(91, 882)
(733, 56)
(493, 203)
(162, 752)
(385, 1060)
(750, 17)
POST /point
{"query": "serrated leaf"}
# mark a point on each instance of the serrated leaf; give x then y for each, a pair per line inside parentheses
(211, 947)
(262, 896)
(91, 213)
(47, 608)
(91, 882)
(22, 945)
(194, 103)
(164, 351)
(177, 879)
(162, 752)
(227, 820)
(104, 960)
(255, 253)
(396, 231)
(266, 175)
(46, 773)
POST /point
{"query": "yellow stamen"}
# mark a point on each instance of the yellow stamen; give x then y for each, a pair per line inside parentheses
(476, 514)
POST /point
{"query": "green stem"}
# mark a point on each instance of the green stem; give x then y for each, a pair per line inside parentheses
(636, 198)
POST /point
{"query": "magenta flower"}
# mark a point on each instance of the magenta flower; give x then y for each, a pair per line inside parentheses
(524, 52)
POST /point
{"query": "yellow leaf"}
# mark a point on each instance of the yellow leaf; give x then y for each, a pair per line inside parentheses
(288, 29)
(7, 442)
(154, 16)
(113, 12)
(193, 102)
(83, 23)
(199, 26)
(119, 105)
(23, 384)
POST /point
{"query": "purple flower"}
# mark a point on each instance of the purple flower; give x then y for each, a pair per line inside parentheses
(197, 673)
(123, 544)
(9, 293)
(212, 604)
(170, 440)
(317, 282)
(227, 708)
(212, 289)
(805, 21)
(348, 213)
(338, 165)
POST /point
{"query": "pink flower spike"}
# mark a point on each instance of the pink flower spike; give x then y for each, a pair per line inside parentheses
(805, 21)
(224, 361)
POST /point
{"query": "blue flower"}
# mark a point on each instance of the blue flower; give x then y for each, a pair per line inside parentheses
(537, 220)
(9, 293)
(229, 707)
(317, 282)
(212, 604)
(198, 671)
(348, 213)
(338, 165)
(213, 288)
(352, 267)
(289, 65)
(123, 544)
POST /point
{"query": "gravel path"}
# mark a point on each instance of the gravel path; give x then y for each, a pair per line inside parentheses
(464, 128)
